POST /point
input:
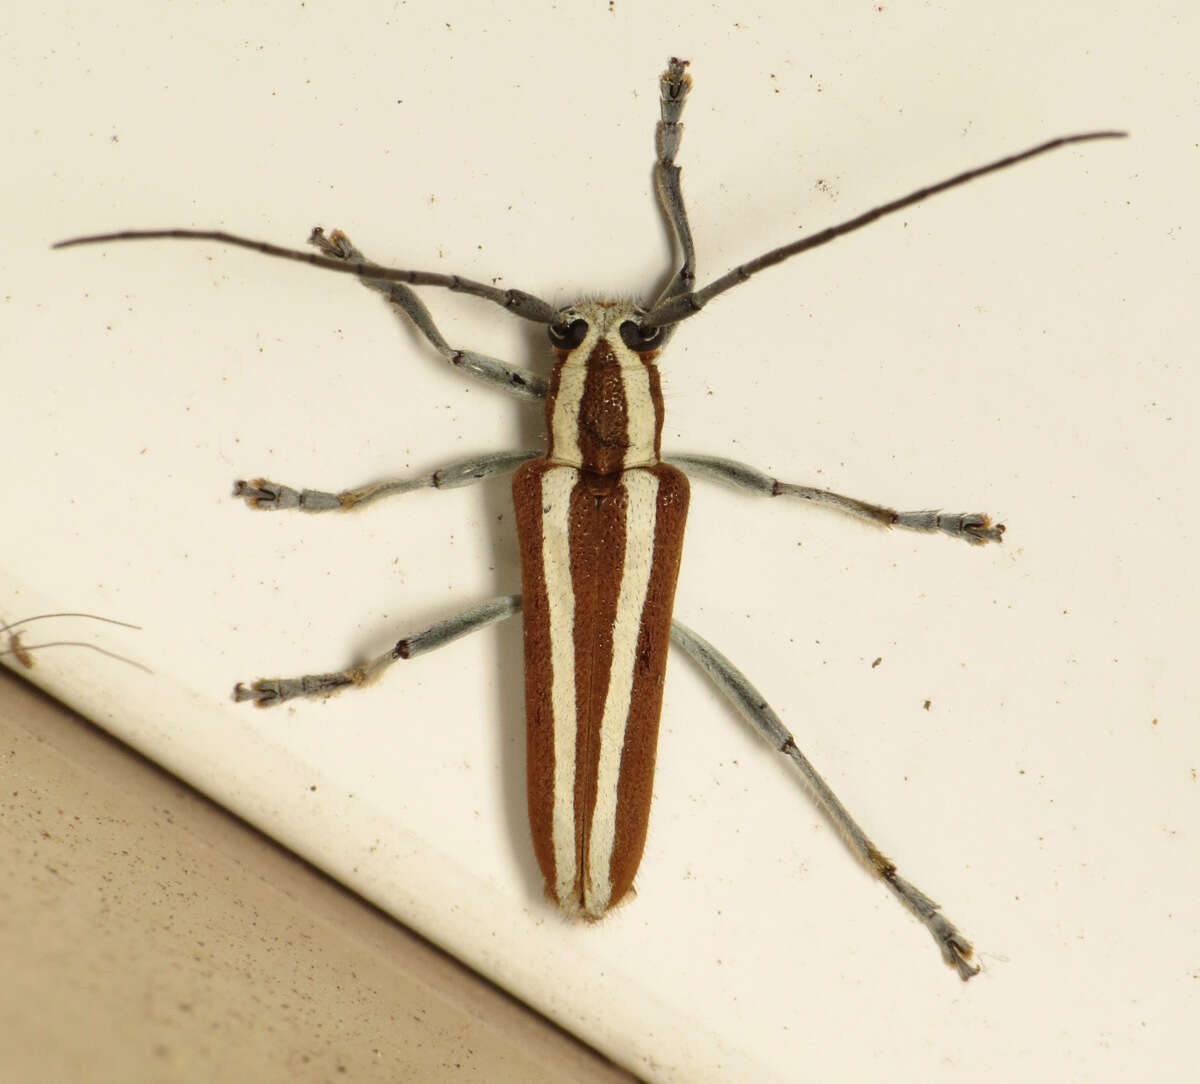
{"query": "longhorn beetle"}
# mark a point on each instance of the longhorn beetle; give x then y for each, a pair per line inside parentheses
(600, 518)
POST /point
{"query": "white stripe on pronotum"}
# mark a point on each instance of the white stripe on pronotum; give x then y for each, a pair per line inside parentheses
(600, 543)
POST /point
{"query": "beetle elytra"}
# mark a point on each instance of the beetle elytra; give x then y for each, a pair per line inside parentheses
(600, 516)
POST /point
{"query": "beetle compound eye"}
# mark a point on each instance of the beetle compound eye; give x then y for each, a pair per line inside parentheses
(638, 338)
(567, 336)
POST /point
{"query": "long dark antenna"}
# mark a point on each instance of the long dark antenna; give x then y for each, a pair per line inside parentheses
(684, 305)
(515, 301)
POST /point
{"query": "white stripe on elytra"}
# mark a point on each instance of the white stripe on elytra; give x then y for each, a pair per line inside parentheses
(641, 506)
(557, 484)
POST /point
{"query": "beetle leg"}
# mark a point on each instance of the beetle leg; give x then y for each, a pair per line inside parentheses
(271, 496)
(956, 949)
(268, 692)
(521, 382)
(973, 527)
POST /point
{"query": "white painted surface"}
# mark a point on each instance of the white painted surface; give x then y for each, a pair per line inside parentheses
(1025, 346)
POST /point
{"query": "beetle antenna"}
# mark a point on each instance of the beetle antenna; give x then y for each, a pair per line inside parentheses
(21, 651)
(678, 308)
(515, 301)
(42, 617)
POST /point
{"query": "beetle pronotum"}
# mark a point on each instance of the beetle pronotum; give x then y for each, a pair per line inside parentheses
(600, 517)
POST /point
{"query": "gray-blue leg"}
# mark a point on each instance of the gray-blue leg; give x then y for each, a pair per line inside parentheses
(973, 527)
(955, 948)
(523, 382)
(271, 496)
(270, 691)
(674, 85)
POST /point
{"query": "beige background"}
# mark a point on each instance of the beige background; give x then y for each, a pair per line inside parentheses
(1025, 346)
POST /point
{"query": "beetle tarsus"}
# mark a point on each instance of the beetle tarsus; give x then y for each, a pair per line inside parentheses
(337, 246)
(266, 496)
(270, 691)
(956, 949)
(978, 529)
(973, 527)
(263, 693)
